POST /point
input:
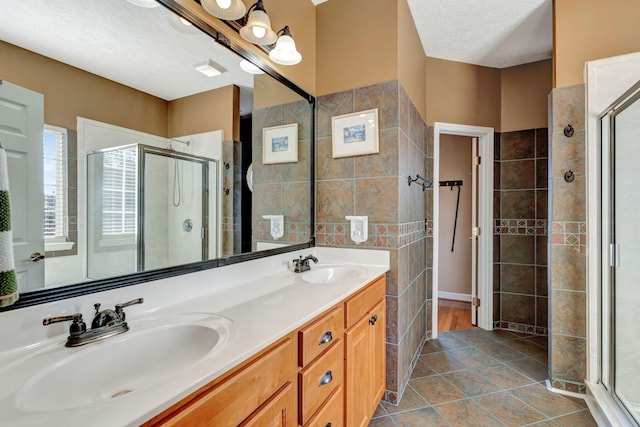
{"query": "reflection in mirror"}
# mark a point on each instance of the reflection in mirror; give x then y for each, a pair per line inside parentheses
(139, 129)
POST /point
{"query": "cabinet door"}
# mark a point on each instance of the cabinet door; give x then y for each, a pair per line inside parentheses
(357, 369)
(278, 411)
(377, 326)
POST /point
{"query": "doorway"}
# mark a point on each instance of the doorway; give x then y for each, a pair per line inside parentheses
(473, 240)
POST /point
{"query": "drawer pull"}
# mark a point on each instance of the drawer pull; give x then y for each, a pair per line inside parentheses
(326, 338)
(373, 319)
(328, 425)
(326, 378)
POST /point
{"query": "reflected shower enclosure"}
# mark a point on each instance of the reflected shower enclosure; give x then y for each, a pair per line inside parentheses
(149, 208)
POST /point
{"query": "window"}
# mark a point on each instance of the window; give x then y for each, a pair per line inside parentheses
(54, 158)
(119, 170)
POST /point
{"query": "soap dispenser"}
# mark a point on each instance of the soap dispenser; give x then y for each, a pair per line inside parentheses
(359, 228)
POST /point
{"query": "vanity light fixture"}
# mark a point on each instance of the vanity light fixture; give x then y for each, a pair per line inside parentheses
(257, 29)
(209, 68)
(285, 52)
(145, 3)
(250, 67)
(229, 10)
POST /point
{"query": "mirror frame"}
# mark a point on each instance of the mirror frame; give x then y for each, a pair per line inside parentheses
(46, 295)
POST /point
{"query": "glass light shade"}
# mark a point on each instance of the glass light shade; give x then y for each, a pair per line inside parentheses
(145, 3)
(250, 68)
(285, 52)
(234, 9)
(258, 18)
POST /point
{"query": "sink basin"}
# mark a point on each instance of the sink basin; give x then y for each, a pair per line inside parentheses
(333, 274)
(153, 351)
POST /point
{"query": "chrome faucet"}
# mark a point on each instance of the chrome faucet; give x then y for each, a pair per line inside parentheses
(106, 323)
(302, 264)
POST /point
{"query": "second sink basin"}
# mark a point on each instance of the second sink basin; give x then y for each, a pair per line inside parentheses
(333, 274)
(153, 351)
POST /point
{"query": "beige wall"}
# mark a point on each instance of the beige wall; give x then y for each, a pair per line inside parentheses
(300, 15)
(462, 93)
(70, 92)
(268, 92)
(454, 268)
(205, 112)
(411, 59)
(592, 29)
(357, 44)
(524, 92)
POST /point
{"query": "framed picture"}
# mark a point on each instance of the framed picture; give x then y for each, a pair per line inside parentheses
(355, 134)
(280, 144)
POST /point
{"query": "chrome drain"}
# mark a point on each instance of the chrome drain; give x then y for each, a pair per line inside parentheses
(120, 393)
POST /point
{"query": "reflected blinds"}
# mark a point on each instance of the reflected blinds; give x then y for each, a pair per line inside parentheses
(54, 159)
(119, 192)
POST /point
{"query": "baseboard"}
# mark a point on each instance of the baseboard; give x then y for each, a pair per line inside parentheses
(454, 296)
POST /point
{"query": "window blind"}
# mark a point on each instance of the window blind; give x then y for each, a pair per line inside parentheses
(54, 159)
(119, 204)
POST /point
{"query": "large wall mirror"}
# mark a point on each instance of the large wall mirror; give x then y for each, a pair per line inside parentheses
(141, 147)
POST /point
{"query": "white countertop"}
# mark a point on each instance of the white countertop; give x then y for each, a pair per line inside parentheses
(263, 298)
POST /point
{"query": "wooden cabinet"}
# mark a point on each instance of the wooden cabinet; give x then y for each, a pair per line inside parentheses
(258, 390)
(330, 372)
(278, 411)
(365, 354)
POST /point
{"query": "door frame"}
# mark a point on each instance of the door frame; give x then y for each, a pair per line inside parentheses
(485, 217)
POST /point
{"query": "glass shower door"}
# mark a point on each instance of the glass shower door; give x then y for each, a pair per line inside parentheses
(624, 249)
(174, 210)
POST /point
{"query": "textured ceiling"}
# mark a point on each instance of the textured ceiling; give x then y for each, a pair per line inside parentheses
(147, 49)
(493, 33)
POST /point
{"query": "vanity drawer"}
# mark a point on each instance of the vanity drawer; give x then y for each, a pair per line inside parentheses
(318, 336)
(332, 412)
(358, 305)
(319, 379)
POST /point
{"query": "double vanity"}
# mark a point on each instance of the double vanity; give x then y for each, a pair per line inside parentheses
(238, 345)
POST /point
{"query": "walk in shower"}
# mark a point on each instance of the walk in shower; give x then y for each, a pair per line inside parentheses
(149, 208)
(620, 293)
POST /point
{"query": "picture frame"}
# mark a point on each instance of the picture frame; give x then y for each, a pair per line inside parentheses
(355, 134)
(280, 144)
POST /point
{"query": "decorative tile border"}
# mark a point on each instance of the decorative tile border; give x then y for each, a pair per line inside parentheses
(520, 327)
(519, 226)
(567, 385)
(295, 232)
(570, 233)
(381, 235)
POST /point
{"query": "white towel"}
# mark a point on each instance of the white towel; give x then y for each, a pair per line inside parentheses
(8, 279)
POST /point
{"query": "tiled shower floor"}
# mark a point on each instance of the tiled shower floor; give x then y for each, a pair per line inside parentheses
(473, 377)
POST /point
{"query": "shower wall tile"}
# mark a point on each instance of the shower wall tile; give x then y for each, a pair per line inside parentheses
(518, 204)
(568, 107)
(384, 163)
(569, 317)
(331, 105)
(330, 168)
(521, 233)
(517, 174)
(376, 185)
(382, 96)
(567, 269)
(518, 308)
(518, 145)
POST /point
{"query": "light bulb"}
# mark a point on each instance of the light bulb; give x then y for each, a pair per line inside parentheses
(224, 4)
(259, 32)
(185, 22)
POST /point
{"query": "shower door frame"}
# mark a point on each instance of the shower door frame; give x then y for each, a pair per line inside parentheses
(204, 162)
(607, 291)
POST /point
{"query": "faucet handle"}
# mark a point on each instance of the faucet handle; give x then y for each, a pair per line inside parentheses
(120, 307)
(77, 327)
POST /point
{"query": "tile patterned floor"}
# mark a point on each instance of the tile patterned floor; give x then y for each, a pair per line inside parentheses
(473, 377)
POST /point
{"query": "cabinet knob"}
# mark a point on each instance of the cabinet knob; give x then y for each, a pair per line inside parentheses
(328, 425)
(373, 319)
(326, 378)
(326, 338)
